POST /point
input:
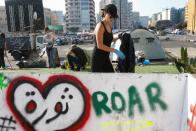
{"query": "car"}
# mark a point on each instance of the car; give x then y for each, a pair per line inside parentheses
(61, 41)
(76, 41)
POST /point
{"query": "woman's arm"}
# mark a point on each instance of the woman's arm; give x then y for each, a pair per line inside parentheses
(99, 30)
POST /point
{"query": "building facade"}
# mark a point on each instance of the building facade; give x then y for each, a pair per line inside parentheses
(181, 15)
(136, 19)
(186, 13)
(144, 21)
(47, 16)
(166, 14)
(176, 16)
(130, 15)
(122, 7)
(80, 15)
(191, 23)
(3, 20)
(21, 15)
(58, 17)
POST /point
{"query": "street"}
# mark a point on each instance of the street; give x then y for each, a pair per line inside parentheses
(174, 47)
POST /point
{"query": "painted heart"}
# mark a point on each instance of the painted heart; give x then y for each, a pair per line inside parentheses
(62, 103)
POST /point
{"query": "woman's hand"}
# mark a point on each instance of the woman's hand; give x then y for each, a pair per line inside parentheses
(120, 54)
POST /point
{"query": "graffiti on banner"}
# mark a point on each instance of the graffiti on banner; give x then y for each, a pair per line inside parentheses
(138, 125)
(192, 120)
(3, 82)
(154, 100)
(7, 123)
(42, 109)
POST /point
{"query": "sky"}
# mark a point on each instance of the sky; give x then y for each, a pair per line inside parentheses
(145, 7)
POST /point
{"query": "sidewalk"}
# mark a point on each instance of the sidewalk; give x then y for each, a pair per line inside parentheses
(177, 52)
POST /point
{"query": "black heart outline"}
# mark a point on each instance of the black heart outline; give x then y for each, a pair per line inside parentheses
(44, 90)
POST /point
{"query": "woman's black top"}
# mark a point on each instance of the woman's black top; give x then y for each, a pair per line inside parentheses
(107, 40)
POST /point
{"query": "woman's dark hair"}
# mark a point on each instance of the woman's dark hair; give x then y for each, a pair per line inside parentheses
(111, 9)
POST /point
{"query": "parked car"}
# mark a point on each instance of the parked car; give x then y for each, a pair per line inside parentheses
(61, 41)
(76, 41)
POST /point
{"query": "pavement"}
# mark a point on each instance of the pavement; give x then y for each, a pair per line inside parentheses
(174, 47)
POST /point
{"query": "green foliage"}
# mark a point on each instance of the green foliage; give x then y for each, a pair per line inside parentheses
(183, 65)
(3, 82)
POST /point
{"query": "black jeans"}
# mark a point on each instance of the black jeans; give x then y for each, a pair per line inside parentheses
(73, 61)
(2, 61)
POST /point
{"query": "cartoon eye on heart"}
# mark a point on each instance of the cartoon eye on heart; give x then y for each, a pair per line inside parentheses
(61, 103)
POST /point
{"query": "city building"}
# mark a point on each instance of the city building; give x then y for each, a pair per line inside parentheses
(186, 13)
(144, 21)
(191, 23)
(3, 20)
(159, 16)
(122, 7)
(130, 15)
(24, 15)
(58, 17)
(136, 19)
(176, 16)
(181, 15)
(155, 18)
(166, 14)
(98, 18)
(79, 15)
(47, 16)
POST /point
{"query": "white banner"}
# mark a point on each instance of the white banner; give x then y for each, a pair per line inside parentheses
(95, 102)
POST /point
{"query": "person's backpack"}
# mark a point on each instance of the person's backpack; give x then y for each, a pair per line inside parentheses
(127, 47)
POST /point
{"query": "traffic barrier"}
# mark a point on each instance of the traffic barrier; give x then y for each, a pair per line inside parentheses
(97, 102)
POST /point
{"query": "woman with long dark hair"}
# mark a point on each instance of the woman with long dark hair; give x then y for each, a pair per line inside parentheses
(104, 38)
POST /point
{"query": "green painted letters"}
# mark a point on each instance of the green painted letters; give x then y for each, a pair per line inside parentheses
(134, 98)
(100, 105)
(153, 99)
(114, 103)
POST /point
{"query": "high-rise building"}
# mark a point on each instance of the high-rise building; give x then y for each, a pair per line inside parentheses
(159, 16)
(3, 20)
(130, 15)
(191, 26)
(136, 19)
(121, 22)
(144, 20)
(181, 15)
(173, 14)
(186, 13)
(47, 16)
(59, 17)
(166, 14)
(122, 7)
(80, 15)
(23, 15)
(154, 19)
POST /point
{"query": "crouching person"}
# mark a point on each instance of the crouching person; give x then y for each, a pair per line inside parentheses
(76, 57)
